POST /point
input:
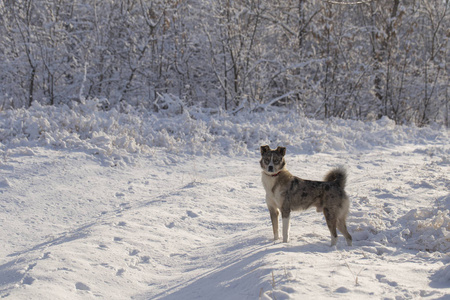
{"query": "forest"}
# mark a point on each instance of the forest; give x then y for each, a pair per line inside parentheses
(347, 59)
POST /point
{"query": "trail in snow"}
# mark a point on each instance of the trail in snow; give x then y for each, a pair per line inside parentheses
(197, 228)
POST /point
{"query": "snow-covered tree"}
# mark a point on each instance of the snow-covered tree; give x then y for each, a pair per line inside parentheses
(347, 59)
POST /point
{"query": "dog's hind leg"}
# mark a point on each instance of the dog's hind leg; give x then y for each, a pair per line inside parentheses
(343, 229)
(274, 213)
(331, 222)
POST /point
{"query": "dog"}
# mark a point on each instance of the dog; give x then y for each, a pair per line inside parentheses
(286, 192)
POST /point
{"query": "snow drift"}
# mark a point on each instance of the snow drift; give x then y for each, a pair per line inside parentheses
(127, 203)
(116, 133)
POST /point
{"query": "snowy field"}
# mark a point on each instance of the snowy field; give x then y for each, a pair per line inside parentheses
(110, 205)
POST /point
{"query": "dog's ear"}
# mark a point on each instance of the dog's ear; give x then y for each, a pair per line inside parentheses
(281, 150)
(264, 149)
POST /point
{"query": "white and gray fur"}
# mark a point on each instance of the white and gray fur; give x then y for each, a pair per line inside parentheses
(286, 192)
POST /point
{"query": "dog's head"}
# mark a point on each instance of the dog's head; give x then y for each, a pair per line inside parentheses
(272, 161)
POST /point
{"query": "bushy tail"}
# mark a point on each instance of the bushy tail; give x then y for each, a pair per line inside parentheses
(339, 175)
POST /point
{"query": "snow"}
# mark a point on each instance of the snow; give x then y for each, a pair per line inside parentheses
(124, 204)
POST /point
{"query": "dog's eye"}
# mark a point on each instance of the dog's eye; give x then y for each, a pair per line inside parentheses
(276, 160)
(266, 160)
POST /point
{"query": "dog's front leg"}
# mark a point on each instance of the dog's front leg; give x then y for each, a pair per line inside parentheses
(274, 213)
(286, 225)
(285, 216)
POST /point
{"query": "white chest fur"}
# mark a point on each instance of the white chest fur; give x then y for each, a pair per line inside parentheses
(273, 196)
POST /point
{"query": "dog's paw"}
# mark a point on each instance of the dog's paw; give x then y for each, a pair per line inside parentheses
(333, 241)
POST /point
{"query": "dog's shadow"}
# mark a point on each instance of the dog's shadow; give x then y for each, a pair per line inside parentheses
(243, 272)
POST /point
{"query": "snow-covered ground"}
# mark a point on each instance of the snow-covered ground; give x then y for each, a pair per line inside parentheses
(115, 205)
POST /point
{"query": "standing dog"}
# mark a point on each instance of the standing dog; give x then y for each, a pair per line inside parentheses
(286, 193)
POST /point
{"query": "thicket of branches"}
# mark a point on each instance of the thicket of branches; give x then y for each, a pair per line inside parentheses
(326, 59)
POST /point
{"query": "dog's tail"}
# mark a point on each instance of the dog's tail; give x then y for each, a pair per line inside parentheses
(339, 175)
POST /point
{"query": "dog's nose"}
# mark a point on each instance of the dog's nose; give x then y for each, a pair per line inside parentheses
(270, 169)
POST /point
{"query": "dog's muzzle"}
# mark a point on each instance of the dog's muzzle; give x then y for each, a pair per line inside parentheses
(270, 169)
